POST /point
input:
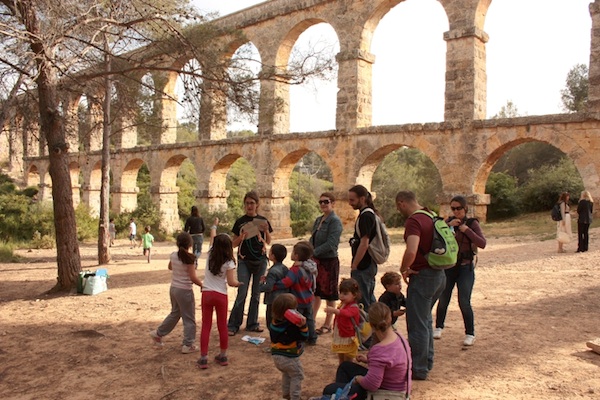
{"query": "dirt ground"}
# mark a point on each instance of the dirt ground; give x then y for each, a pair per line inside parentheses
(534, 311)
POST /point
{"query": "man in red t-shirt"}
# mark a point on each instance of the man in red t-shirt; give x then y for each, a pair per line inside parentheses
(425, 285)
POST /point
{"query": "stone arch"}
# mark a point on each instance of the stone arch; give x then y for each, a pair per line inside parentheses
(127, 186)
(217, 193)
(187, 90)
(33, 178)
(315, 100)
(89, 119)
(397, 84)
(91, 189)
(249, 60)
(165, 195)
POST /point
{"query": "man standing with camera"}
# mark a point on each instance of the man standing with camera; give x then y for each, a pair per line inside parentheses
(425, 285)
(363, 268)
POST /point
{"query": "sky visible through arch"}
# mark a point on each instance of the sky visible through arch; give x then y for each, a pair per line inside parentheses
(533, 44)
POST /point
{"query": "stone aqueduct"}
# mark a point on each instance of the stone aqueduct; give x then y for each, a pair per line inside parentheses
(354, 149)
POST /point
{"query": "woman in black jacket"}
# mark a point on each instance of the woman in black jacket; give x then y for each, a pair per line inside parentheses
(584, 219)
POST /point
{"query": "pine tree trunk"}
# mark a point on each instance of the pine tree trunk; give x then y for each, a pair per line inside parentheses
(52, 129)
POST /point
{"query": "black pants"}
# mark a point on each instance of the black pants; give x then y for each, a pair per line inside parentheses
(345, 372)
(583, 237)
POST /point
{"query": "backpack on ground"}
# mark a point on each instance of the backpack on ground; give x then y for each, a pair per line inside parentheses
(555, 213)
(444, 248)
(379, 247)
(363, 328)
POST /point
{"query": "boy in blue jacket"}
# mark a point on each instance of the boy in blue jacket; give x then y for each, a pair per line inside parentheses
(277, 272)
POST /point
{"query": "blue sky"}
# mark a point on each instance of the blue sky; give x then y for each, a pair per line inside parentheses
(533, 44)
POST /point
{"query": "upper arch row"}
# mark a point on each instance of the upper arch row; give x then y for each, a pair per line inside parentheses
(354, 24)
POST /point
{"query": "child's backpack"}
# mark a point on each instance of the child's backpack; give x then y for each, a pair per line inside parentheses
(555, 213)
(363, 329)
(379, 247)
(444, 248)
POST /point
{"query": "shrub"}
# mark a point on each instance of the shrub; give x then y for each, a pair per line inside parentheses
(40, 241)
(546, 183)
(7, 253)
(87, 226)
(505, 201)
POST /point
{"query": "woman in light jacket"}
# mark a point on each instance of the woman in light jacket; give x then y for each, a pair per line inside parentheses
(563, 227)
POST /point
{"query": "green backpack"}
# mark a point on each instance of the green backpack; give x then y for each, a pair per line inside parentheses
(444, 248)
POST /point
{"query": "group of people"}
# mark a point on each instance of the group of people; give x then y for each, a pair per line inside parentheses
(585, 208)
(293, 295)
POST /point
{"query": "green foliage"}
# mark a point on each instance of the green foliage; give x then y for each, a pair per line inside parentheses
(240, 180)
(242, 133)
(545, 184)
(186, 181)
(144, 198)
(39, 241)
(405, 169)
(304, 206)
(505, 201)
(87, 226)
(575, 94)
(21, 217)
(187, 132)
(519, 160)
(7, 253)
(509, 110)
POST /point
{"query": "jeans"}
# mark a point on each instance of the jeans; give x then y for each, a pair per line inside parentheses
(237, 313)
(345, 372)
(424, 289)
(182, 306)
(583, 237)
(307, 312)
(292, 376)
(366, 284)
(463, 277)
(198, 240)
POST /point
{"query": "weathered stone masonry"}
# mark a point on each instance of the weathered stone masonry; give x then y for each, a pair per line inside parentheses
(354, 150)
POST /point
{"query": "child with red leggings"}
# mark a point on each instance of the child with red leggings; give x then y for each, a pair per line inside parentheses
(220, 271)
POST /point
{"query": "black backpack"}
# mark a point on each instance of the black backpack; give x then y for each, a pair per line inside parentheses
(555, 213)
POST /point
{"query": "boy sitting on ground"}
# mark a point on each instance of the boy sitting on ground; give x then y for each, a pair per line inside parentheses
(393, 297)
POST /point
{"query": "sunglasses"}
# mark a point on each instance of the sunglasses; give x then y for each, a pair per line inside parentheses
(459, 208)
(324, 201)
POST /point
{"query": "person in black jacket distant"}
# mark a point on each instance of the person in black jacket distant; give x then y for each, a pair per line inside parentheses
(585, 207)
(194, 225)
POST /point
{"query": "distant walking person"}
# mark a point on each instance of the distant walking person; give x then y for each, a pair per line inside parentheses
(585, 208)
(132, 233)
(469, 236)
(147, 240)
(112, 231)
(563, 227)
(194, 225)
(363, 267)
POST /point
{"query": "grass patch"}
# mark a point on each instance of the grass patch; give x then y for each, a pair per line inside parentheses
(7, 253)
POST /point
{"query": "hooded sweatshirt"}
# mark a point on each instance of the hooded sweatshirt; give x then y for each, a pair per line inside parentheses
(301, 281)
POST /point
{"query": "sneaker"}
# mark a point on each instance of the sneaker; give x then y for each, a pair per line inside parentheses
(189, 349)
(156, 338)
(469, 340)
(222, 360)
(437, 333)
(202, 363)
